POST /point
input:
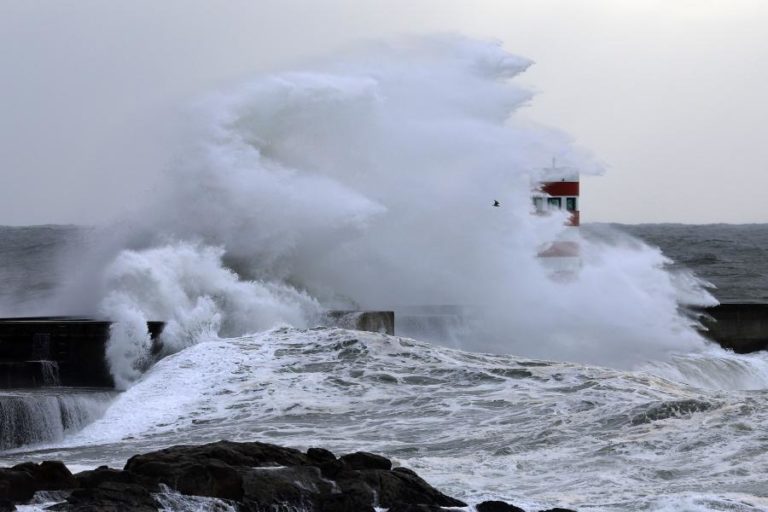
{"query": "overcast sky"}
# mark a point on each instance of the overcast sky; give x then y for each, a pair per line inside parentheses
(669, 94)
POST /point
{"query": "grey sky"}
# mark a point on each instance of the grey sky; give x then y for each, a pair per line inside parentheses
(669, 94)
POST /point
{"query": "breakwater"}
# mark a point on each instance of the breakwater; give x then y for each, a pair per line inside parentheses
(54, 377)
(51, 351)
(371, 321)
(739, 326)
(70, 351)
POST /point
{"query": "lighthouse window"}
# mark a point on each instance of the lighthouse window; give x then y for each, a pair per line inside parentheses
(570, 204)
(554, 203)
(538, 203)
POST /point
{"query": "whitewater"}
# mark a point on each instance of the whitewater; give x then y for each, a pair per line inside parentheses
(478, 426)
(365, 181)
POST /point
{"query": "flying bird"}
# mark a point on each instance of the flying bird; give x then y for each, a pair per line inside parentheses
(496, 203)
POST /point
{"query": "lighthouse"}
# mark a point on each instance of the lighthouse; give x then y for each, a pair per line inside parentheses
(556, 189)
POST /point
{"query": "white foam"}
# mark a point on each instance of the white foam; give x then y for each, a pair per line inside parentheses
(716, 369)
(188, 287)
(478, 426)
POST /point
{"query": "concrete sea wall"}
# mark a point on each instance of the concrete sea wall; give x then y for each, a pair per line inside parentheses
(372, 321)
(70, 352)
(64, 351)
(741, 327)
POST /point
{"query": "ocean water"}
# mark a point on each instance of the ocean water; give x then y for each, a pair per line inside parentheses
(365, 181)
(29, 269)
(732, 257)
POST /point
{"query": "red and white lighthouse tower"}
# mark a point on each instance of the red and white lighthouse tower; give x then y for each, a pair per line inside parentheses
(557, 189)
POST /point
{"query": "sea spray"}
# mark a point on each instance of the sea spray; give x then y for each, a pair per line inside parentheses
(715, 369)
(366, 181)
(187, 286)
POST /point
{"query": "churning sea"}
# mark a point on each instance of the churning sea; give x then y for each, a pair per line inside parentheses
(688, 433)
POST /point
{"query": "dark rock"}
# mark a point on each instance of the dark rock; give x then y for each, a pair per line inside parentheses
(172, 501)
(365, 460)
(394, 487)
(16, 486)
(96, 477)
(109, 497)
(48, 475)
(232, 454)
(497, 506)
(352, 501)
(213, 470)
(268, 489)
(7, 506)
(320, 455)
(407, 507)
(211, 478)
(332, 468)
(251, 476)
(19, 483)
(408, 487)
(350, 482)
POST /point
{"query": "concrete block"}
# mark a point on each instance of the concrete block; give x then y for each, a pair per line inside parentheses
(742, 327)
(372, 321)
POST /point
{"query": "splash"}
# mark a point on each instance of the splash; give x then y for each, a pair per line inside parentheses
(365, 181)
(715, 369)
(187, 286)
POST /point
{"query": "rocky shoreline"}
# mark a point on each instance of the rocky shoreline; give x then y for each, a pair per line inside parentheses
(248, 477)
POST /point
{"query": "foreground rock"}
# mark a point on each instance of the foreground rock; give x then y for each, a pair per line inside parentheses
(251, 476)
(500, 506)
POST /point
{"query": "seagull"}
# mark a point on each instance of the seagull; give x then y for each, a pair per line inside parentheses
(496, 203)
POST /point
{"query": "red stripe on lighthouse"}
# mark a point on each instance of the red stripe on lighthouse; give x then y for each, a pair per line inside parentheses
(561, 188)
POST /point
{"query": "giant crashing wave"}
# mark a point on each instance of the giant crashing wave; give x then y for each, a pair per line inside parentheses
(364, 181)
